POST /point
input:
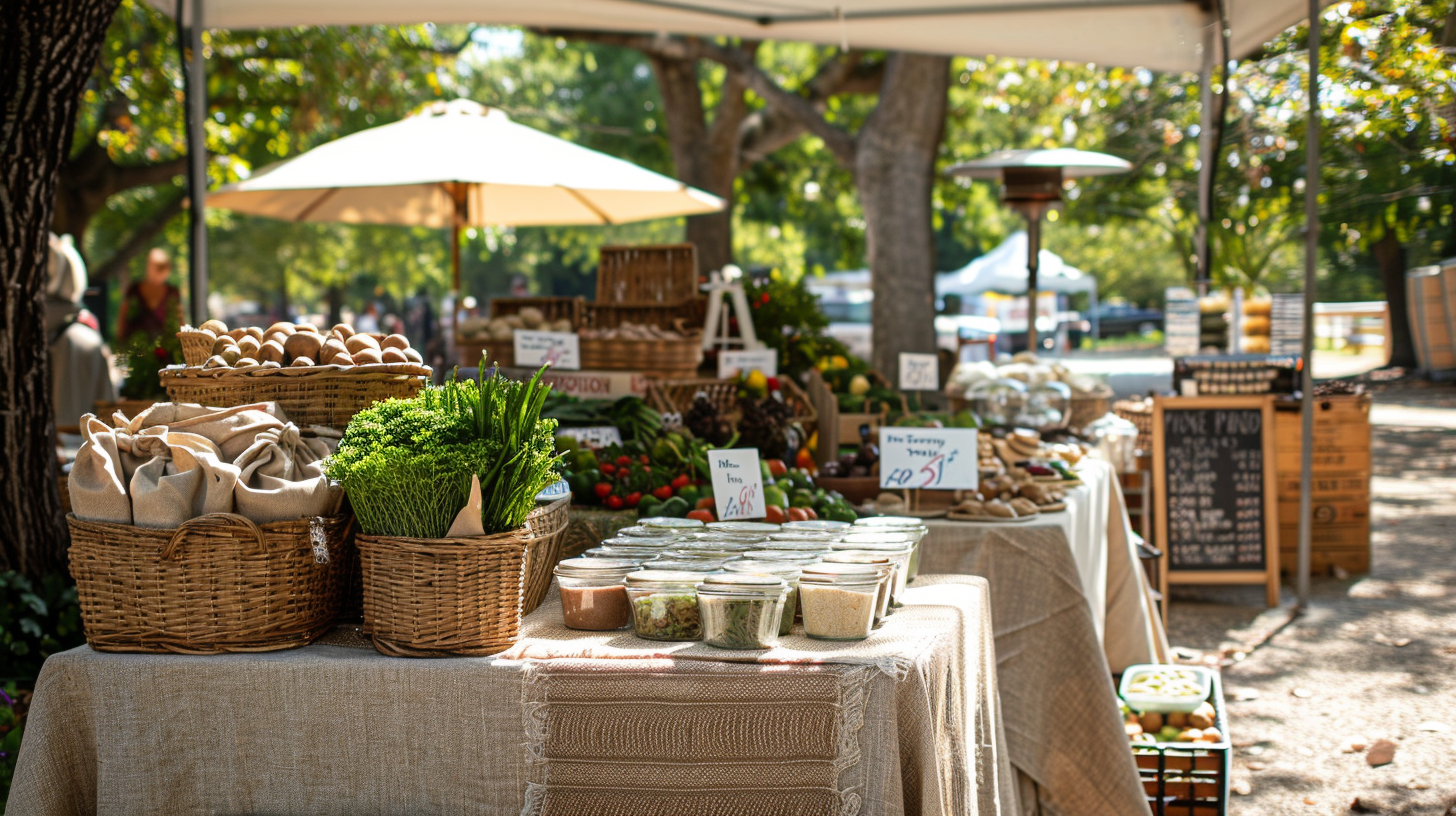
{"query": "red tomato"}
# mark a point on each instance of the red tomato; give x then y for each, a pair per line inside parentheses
(798, 514)
(664, 492)
(603, 490)
(776, 467)
(776, 515)
(812, 514)
(704, 516)
(609, 468)
(633, 499)
(645, 460)
(614, 502)
(680, 482)
(706, 503)
(624, 461)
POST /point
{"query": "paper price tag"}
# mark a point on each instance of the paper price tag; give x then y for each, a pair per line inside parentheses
(737, 483)
(560, 349)
(928, 458)
(733, 363)
(919, 372)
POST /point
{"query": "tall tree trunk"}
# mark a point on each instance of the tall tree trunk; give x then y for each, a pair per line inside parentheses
(894, 168)
(705, 155)
(47, 48)
(336, 304)
(1390, 255)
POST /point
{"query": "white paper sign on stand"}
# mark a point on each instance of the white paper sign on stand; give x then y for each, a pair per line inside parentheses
(919, 372)
(928, 458)
(737, 483)
(560, 349)
(733, 363)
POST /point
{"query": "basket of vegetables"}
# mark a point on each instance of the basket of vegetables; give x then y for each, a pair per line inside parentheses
(444, 486)
(507, 315)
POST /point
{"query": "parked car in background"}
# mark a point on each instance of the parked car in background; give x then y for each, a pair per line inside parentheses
(1117, 319)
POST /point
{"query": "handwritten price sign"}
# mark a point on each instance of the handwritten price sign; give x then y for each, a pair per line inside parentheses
(733, 363)
(737, 483)
(919, 372)
(560, 349)
(928, 458)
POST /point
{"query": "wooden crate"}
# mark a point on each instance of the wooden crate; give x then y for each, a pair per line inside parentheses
(1189, 778)
(644, 275)
(1431, 302)
(1340, 485)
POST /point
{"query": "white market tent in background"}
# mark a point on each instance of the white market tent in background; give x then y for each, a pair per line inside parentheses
(1003, 270)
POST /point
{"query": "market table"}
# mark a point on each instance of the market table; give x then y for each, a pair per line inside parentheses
(905, 722)
(1068, 600)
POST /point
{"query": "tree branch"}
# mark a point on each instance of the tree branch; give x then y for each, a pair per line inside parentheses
(140, 238)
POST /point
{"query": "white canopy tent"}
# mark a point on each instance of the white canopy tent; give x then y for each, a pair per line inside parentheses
(1181, 35)
(1003, 270)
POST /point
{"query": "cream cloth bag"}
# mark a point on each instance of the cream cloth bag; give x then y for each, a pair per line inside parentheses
(99, 477)
(232, 430)
(282, 478)
(182, 477)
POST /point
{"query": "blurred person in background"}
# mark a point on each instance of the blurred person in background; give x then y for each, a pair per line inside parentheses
(80, 362)
(367, 321)
(152, 305)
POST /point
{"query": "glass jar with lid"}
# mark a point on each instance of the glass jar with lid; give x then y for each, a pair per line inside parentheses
(593, 594)
(891, 545)
(741, 610)
(880, 562)
(705, 551)
(806, 536)
(665, 604)
(638, 541)
(727, 537)
(794, 546)
(787, 572)
(816, 526)
(839, 600)
(900, 524)
(638, 554)
(758, 527)
(676, 526)
(786, 556)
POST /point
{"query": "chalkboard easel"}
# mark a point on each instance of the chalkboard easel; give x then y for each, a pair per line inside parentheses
(1214, 468)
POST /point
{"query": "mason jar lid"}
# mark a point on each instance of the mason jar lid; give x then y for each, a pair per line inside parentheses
(672, 524)
(819, 525)
(793, 546)
(792, 556)
(855, 574)
(637, 553)
(904, 537)
(861, 557)
(785, 568)
(804, 536)
(595, 568)
(727, 537)
(743, 527)
(638, 541)
(638, 531)
(664, 579)
(706, 552)
(891, 521)
(667, 562)
(874, 544)
(734, 583)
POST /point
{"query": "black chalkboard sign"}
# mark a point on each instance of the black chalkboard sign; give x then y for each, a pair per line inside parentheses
(1214, 485)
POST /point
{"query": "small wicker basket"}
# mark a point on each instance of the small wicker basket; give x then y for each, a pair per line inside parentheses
(548, 533)
(312, 395)
(218, 583)
(196, 345)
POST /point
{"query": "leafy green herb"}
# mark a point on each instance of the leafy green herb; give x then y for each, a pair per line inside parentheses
(739, 623)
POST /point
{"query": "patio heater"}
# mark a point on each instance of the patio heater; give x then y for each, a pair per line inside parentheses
(1032, 185)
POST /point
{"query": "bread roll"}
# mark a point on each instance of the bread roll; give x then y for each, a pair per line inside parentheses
(254, 332)
(271, 351)
(306, 327)
(342, 359)
(300, 362)
(303, 344)
(357, 342)
(281, 327)
(393, 355)
(222, 343)
(413, 356)
(214, 326)
(367, 355)
(344, 330)
(397, 341)
(332, 347)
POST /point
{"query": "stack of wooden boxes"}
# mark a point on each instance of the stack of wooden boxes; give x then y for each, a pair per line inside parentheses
(1340, 536)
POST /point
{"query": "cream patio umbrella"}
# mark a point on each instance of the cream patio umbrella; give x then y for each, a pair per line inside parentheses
(460, 164)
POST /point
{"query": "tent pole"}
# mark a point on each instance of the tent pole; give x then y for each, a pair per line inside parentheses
(1033, 252)
(1206, 152)
(194, 89)
(1311, 258)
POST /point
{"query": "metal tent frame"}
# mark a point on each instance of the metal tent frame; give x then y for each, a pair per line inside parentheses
(1216, 48)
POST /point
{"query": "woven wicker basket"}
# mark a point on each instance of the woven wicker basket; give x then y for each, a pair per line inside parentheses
(1086, 409)
(312, 395)
(1139, 413)
(443, 596)
(548, 533)
(654, 358)
(666, 273)
(219, 583)
(470, 350)
(668, 396)
(196, 345)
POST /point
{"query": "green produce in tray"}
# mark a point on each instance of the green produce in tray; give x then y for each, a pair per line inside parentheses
(667, 617)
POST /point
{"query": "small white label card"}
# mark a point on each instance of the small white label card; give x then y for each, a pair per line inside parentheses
(737, 483)
(919, 372)
(928, 458)
(733, 363)
(560, 349)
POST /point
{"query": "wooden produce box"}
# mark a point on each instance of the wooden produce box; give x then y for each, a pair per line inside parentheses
(1189, 778)
(1340, 492)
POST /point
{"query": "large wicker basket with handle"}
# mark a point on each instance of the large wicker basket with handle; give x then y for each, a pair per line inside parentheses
(218, 583)
(310, 395)
(432, 597)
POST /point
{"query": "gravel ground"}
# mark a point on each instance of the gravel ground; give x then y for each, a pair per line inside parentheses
(1372, 658)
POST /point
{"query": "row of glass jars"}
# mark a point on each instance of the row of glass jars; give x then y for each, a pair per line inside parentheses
(740, 585)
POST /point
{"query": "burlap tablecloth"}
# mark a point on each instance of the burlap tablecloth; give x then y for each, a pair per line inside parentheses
(1063, 730)
(906, 722)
